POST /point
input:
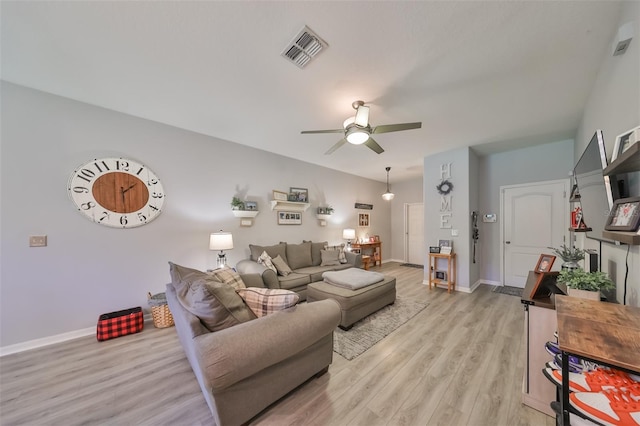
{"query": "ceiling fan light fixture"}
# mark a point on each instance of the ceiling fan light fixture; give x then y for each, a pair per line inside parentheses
(388, 196)
(356, 135)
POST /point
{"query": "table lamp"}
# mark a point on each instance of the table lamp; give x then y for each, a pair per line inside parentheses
(349, 234)
(221, 241)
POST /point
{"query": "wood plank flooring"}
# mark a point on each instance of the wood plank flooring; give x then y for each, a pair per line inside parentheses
(458, 362)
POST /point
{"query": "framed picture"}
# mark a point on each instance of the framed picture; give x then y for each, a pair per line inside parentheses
(445, 243)
(300, 195)
(376, 238)
(440, 275)
(364, 220)
(280, 196)
(434, 249)
(446, 249)
(545, 285)
(625, 215)
(289, 218)
(372, 239)
(544, 263)
(250, 205)
(624, 142)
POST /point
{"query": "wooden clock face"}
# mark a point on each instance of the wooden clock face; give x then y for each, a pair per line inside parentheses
(116, 192)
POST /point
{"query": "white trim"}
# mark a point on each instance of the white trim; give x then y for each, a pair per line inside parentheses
(490, 282)
(52, 340)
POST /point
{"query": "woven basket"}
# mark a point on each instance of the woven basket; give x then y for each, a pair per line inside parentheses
(160, 312)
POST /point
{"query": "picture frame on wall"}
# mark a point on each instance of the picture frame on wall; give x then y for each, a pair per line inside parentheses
(251, 205)
(364, 220)
(624, 141)
(289, 218)
(280, 196)
(445, 243)
(625, 215)
(299, 195)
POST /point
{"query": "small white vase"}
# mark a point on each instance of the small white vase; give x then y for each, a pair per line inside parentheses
(584, 294)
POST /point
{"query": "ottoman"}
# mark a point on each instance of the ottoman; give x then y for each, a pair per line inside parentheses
(355, 304)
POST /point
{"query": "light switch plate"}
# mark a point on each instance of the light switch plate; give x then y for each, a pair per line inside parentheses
(38, 241)
(454, 233)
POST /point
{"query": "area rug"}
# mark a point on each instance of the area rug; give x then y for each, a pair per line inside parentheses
(412, 265)
(370, 330)
(511, 291)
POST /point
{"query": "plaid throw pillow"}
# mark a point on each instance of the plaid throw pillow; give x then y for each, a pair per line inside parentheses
(342, 258)
(264, 301)
(265, 260)
(228, 276)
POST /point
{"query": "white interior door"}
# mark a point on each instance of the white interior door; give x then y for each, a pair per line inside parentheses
(535, 217)
(414, 225)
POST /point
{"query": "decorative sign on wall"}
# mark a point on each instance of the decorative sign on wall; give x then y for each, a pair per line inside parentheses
(364, 206)
(444, 189)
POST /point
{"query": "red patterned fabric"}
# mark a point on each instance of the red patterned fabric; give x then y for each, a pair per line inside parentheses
(120, 323)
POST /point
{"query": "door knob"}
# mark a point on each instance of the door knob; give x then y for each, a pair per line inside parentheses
(507, 242)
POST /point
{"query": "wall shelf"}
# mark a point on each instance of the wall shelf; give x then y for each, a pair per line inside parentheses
(628, 161)
(630, 238)
(323, 216)
(245, 213)
(289, 206)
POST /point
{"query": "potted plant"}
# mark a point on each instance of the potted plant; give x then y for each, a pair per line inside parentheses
(328, 209)
(570, 256)
(586, 285)
(237, 204)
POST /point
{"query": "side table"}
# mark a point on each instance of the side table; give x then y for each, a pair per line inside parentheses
(436, 276)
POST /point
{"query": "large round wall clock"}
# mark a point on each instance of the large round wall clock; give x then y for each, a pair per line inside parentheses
(116, 192)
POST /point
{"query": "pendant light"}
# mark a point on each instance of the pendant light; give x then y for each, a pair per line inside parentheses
(388, 196)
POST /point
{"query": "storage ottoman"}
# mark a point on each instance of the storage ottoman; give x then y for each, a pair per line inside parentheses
(355, 304)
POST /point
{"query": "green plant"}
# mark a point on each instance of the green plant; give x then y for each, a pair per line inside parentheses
(329, 209)
(237, 203)
(569, 254)
(583, 280)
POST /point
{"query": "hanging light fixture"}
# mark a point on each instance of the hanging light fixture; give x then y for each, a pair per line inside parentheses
(388, 196)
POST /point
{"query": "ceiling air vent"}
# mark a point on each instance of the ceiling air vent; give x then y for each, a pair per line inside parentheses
(304, 47)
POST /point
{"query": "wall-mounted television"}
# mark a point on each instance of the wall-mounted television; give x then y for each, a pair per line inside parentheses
(596, 197)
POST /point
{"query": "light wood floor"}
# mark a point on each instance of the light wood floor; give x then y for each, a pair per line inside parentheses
(458, 362)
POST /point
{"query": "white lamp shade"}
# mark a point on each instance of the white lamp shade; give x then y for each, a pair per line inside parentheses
(388, 196)
(221, 241)
(349, 234)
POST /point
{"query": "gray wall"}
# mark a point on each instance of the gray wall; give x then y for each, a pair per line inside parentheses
(88, 269)
(534, 164)
(614, 107)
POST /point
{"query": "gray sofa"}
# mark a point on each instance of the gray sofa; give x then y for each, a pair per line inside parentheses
(245, 368)
(305, 260)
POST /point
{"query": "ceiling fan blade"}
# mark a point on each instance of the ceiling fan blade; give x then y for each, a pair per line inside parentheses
(386, 128)
(323, 131)
(362, 116)
(336, 146)
(374, 146)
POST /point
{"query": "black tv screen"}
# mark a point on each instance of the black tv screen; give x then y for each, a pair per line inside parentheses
(596, 198)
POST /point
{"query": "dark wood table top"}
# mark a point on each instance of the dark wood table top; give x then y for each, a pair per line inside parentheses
(605, 332)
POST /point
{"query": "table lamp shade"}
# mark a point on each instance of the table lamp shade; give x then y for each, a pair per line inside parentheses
(349, 234)
(221, 241)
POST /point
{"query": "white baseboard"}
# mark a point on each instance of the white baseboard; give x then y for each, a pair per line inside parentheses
(51, 340)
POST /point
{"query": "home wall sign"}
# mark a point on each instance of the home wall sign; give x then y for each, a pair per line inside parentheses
(444, 188)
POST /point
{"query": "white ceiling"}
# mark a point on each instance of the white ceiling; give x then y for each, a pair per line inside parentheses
(498, 74)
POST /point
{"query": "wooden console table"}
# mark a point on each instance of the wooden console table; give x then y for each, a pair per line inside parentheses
(606, 333)
(450, 278)
(374, 248)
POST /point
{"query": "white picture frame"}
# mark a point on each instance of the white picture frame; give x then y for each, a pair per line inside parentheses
(624, 141)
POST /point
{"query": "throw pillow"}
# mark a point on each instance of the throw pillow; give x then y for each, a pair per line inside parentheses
(281, 266)
(316, 259)
(273, 251)
(329, 257)
(228, 276)
(299, 255)
(265, 260)
(341, 256)
(216, 304)
(264, 301)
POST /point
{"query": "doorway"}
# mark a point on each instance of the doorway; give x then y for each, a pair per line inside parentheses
(535, 217)
(414, 234)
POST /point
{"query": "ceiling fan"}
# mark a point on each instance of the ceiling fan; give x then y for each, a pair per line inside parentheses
(358, 131)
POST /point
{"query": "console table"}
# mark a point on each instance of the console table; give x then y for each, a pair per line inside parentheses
(374, 248)
(606, 333)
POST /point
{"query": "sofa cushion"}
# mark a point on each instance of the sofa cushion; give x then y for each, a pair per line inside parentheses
(316, 258)
(265, 260)
(330, 257)
(228, 276)
(341, 257)
(273, 251)
(281, 266)
(264, 301)
(299, 255)
(216, 304)
(294, 280)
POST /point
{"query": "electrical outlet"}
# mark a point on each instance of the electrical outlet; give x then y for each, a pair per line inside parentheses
(38, 241)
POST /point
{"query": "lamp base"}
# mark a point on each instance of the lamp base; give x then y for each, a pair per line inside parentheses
(222, 260)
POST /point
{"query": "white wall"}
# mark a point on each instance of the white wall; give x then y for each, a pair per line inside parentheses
(614, 107)
(88, 269)
(406, 192)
